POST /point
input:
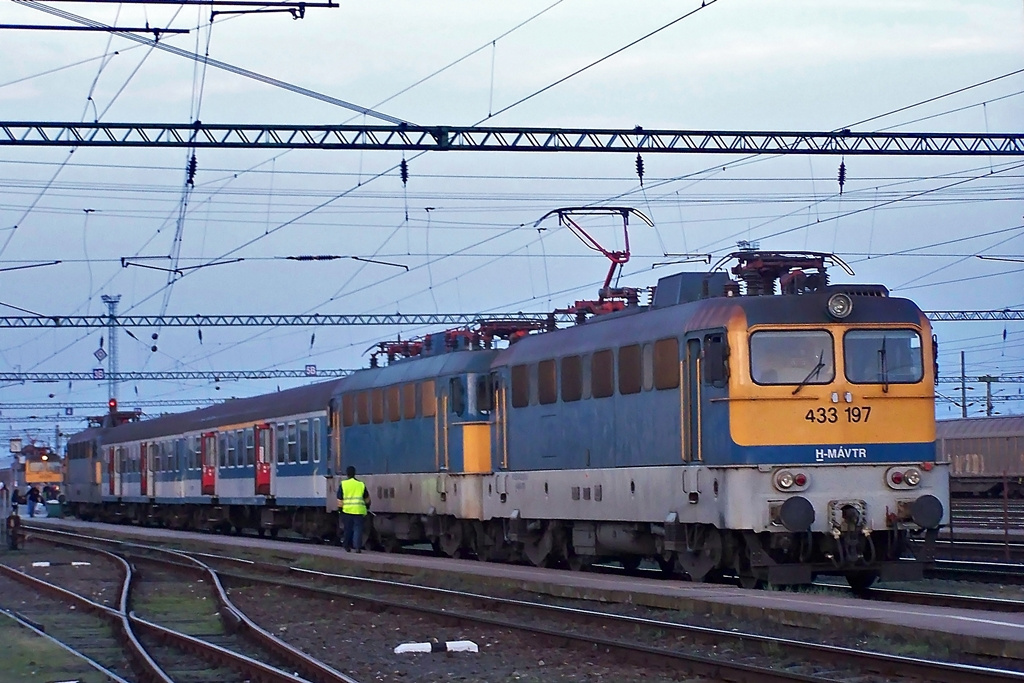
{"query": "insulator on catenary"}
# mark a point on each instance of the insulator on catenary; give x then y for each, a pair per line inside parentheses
(842, 175)
(192, 166)
(640, 168)
(403, 170)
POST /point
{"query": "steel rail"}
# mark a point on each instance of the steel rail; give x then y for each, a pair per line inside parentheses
(128, 622)
(701, 665)
(874, 661)
(150, 670)
(410, 137)
(929, 598)
(22, 621)
(314, 670)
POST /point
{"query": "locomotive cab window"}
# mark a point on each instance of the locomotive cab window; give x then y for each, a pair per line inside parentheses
(883, 356)
(792, 357)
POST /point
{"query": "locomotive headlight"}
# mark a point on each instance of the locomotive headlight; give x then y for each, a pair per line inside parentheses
(912, 477)
(784, 480)
(840, 305)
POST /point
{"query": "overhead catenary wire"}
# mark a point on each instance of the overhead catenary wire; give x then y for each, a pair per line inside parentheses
(549, 288)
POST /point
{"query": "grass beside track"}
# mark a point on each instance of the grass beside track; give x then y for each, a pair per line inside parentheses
(29, 658)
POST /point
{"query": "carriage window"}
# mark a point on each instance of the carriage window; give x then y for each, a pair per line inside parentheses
(792, 357)
(409, 401)
(547, 382)
(428, 394)
(348, 410)
(377, 403)
(666, 363)
(883, 356)
(520, 386)
(647, 366)
(304, 441)
(293, 443)
(602, 374)
(572, 378)
(484, 394)
(233, 449)
(250, 448)
(394, 404)
(282, 443)
(457, 392)
(629, 369)
(315, 439)
(363, 407)
(223, 450)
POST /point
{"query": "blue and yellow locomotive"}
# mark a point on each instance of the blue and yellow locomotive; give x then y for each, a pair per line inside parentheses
(772, 427)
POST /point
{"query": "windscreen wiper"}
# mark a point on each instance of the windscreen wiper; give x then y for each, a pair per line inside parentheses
(884, 366)
(813, 373)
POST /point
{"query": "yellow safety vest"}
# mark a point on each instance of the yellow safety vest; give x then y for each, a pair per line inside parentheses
(352, 502)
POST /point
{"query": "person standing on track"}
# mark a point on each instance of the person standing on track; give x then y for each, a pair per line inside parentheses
(354, 502)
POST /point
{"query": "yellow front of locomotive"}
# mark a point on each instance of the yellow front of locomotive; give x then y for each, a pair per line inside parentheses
(832, 409)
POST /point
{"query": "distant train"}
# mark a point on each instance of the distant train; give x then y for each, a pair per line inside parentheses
(38, 466)
(983, 453)
(724, 428)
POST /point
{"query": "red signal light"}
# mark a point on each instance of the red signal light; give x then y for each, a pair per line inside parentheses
(112, 404)
(897, 477)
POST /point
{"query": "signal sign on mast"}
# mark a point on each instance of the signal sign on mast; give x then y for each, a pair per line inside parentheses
(100, 354)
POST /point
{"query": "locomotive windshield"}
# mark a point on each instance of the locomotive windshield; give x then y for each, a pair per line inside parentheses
(792, 357)
(883, 356)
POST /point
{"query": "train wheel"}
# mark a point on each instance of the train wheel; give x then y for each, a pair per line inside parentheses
(273, 532)
(579, 563)
(451, 541)
(860, 582)
(390, 544)
(261, 532)
(706, 557)
(630, 563)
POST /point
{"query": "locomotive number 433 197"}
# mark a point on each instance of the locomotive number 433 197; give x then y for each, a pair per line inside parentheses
(832, 414)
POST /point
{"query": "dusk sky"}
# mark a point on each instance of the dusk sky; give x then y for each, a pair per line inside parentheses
(464, 224)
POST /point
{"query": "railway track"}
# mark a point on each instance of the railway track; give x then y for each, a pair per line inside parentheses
(677, 646)
(128, 646)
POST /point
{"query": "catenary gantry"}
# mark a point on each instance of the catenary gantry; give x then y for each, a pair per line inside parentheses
(407, 137)
(370, 319)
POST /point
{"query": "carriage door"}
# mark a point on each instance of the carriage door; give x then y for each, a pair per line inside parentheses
(111, 471)
(691, 430)
(209, 455)
(499, 428)
(715, 441)
(144, 469)
(264, 437)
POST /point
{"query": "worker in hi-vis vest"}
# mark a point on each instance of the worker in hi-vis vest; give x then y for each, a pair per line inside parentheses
(353, 501)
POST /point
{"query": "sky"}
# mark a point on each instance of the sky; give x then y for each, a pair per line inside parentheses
(464, 223)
